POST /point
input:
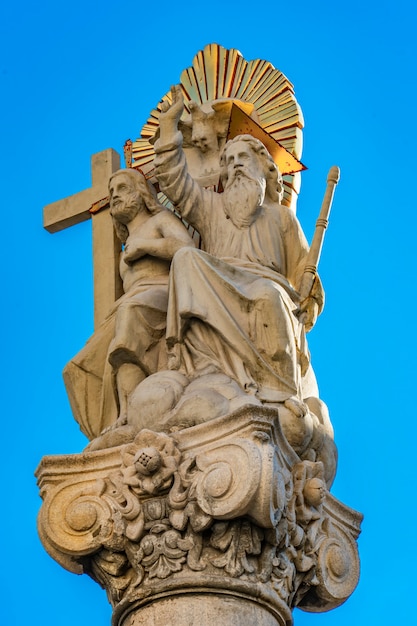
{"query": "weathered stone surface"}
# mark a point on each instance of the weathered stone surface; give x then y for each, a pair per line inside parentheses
(208, 609)
(220, 508)
(204, 491)
(129, 344)
(106, 249)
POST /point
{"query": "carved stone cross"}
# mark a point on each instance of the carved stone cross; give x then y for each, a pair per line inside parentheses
(94, 202)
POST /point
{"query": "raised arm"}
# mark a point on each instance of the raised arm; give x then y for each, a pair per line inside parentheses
(171, 167)
(170, 116)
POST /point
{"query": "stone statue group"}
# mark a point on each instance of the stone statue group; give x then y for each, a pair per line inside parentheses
(202, 332)
(204, 490)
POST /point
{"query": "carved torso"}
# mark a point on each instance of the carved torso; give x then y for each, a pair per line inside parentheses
(148, 269)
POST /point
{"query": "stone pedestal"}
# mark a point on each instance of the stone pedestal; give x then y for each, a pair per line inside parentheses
(218, 523)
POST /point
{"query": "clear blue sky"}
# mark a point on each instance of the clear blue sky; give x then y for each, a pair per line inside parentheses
(80, 77)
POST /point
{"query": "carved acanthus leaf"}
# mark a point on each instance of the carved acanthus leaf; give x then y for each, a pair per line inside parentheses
(238, 540)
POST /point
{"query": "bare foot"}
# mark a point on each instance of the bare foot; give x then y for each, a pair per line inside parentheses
(112, 437)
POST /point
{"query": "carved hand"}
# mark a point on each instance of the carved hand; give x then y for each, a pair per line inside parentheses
(308, 312)
(171, 113)
(135, 250)
(162, 248)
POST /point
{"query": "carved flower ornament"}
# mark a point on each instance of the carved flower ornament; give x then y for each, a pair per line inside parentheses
(309, 491)
(149, 462)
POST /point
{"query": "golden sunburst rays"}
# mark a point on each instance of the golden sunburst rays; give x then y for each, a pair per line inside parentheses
(220, 74)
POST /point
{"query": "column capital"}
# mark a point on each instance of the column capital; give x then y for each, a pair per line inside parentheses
(222, 510)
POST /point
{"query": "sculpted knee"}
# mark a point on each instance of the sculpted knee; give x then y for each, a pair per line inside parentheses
(263, 290)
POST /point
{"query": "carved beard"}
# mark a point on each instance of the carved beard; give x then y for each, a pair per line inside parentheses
(242, 198)
(125, 210)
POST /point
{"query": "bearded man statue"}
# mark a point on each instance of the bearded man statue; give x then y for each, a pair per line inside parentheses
(234, 305)
(130, 343)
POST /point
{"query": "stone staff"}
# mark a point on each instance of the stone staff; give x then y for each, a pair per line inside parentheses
(313, 256)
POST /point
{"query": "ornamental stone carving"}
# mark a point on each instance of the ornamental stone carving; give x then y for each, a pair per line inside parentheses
(204, 489)
(202, 510)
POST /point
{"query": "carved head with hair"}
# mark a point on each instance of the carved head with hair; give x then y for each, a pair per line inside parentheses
(130, 193)
(274, 186)
(249, 177)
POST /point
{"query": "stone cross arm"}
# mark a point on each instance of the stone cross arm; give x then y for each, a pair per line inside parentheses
(106, 248)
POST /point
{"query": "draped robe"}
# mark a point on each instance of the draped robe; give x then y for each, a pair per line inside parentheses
(231, 304)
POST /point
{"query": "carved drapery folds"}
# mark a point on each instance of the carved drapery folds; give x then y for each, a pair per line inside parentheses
(204, 489)
(206, 509)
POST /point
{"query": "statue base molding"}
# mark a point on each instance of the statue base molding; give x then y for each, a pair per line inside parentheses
(215, 607)
(218, 522)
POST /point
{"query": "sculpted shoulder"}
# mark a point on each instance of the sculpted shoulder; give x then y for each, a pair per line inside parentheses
(287, 218)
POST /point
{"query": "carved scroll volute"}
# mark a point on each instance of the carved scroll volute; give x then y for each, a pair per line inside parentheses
(271, 497)
(338, 565)
(237, 479)
(74, 521)
(337, 568)
(229, 478)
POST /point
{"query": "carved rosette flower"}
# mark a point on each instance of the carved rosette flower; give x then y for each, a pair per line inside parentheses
(309, 491)
(149, 462)
(148, 466)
